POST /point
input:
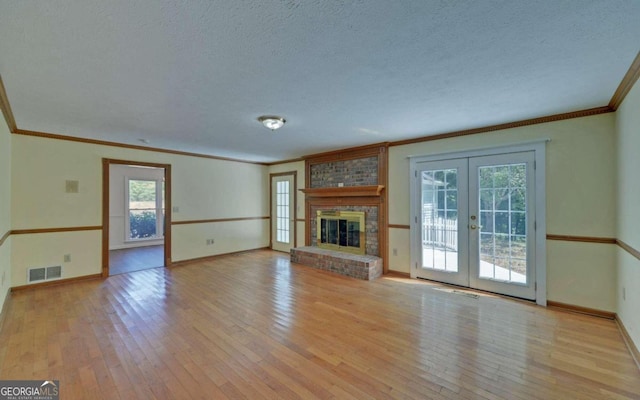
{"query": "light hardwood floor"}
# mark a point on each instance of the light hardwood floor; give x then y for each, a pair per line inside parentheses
(135, 259)
(254, 326)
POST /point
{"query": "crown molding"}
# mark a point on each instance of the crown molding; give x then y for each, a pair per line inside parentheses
(6, 108)
(349, 152)
(5, 237)
(635, 253)
(508, 125)
(630, 78)
(128, 146)
(291, 160)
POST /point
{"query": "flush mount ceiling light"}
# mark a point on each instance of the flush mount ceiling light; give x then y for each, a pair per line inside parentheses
(272, 122)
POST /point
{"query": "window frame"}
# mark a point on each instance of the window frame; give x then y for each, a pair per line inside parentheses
(159, 210)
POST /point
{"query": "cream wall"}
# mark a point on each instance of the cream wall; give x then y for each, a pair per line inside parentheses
(580, 201)
(201, 189)
(46, 250)
(5, 210)
(298, 167)
(628, 229)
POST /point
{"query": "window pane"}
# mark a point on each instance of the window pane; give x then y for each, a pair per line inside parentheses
(518, 223)
(440, 219)
(282, 211)
(502, 222)
(142, 224)
(142, 209)
(517, 175)
(503, 240)
(142, 192)
(501, 176)
(486, 220)
(486, 200)
(517, 199)
(501, 199)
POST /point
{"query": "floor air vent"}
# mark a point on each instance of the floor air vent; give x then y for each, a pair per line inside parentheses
(44, 273)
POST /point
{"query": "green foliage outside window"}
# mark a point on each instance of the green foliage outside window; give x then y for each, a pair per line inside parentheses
(142, 190)
(143, 224)
(144, 208)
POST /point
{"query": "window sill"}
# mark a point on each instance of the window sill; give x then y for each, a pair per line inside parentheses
(141, 240)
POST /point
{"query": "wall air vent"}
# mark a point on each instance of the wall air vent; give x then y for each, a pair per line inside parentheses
(44, 273)
(54, 272)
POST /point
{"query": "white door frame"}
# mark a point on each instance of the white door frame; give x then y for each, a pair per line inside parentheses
(539, 149)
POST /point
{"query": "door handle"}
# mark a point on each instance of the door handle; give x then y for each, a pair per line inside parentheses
(475, 226)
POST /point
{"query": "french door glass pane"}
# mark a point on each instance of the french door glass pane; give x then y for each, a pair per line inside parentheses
(502, 201)
(282, 211)
(440, 220)
(142, 209)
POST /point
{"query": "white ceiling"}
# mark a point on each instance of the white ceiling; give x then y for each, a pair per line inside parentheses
(194, 75)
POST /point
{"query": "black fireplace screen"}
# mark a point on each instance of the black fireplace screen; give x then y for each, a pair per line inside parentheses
(340, 232)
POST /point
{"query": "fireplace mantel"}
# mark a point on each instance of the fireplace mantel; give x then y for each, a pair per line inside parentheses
(345, 191)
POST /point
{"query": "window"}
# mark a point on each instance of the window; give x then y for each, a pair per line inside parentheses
(145, 209)
(282, 211)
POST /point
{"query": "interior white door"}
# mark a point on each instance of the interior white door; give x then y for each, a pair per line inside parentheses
(282, 213)
(476, 221)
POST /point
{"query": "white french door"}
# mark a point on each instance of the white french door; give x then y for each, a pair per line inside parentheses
(282, 212)
(443, 240)
(474, 222)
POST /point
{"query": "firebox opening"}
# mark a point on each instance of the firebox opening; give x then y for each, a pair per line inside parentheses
(341, 230)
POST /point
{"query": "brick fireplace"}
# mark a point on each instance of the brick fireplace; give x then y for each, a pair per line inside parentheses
(351, 180)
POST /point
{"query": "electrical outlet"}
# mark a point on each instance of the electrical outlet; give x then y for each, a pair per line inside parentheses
(210, 241)
(175, 209)
(624, 293)
(395, 252)
(67, 258)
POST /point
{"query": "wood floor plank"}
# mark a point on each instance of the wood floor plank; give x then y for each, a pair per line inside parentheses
(254, 326)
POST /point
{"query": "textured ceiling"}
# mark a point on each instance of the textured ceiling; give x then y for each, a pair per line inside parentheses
(194, 75)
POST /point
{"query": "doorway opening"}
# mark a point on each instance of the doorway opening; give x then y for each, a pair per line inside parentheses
(136, 216)
(283, 211)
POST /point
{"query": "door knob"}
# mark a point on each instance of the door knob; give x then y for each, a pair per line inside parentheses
(475, 226)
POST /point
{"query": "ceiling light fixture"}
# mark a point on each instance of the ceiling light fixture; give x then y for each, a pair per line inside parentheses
(272, 122)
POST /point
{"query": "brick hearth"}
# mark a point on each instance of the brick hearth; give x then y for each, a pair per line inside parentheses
(365, 267)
